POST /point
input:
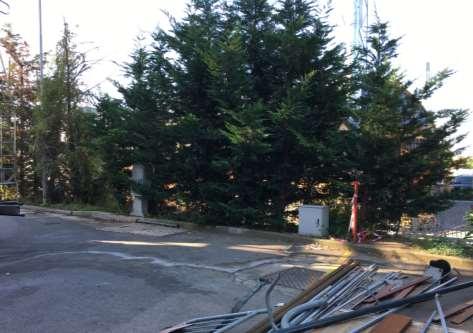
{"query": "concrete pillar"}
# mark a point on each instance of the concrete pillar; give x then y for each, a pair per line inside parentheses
(140, 205)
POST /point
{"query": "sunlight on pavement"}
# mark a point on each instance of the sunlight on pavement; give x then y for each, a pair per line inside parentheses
(270, 249)
(180, 244)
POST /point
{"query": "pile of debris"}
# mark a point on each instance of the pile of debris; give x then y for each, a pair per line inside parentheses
(346, 294)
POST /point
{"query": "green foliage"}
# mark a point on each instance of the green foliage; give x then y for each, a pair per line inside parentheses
(111, 141)
(469, 163)
(444, 246)
(235, 114)
(340, 213)
(74, 206)
(64, 135)
(460, 194)
(403, 150)
(235, 111)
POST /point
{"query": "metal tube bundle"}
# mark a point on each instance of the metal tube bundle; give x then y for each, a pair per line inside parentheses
(375, 308)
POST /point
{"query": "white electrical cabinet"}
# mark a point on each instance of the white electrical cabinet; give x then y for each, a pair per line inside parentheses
(313, 220)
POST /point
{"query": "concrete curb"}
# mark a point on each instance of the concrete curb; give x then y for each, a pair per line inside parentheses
(96, 215)
(102, 216)
(386, 251)
(48, 210)
(390, 252)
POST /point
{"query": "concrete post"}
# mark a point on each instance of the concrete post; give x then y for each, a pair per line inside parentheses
(140, 205)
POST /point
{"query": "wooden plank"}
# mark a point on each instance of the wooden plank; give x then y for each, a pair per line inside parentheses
(263, 325)
(348, 326)
(405, 292)
(382, 295)
(394, 323)
(462, 316)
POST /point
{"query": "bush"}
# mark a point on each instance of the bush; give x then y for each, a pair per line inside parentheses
(461, 194)
(469, 221)
(339, 219)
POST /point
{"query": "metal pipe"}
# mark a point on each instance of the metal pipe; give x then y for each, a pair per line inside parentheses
(352, 286)
(368, 292)
(351, 283)
(441, 313)
(335, 288)
(285, 322)
(426, 326)
(376, 308)
(324, 293)
(220, 323)
(381, 316)
(224, 316)
(237, 322)
(368, 295)
(332, 293)
(44, 178)
(41, 62)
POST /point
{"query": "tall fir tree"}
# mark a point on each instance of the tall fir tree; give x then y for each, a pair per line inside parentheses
(300, 89)
(235, 110)
(404, 150)
(66, 156)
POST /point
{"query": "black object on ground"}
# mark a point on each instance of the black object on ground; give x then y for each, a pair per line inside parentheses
(11, 208)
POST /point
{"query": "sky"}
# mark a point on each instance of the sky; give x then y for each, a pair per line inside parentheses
(437, 32)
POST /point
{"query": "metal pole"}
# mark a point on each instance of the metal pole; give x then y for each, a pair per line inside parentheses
(2, 171)
(41, 65)
(441, 314)
(353, 226)
(41, 77)
(427, 324)
(15, 162)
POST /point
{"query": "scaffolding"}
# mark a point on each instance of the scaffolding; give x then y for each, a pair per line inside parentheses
(9, 193)
(8, 153)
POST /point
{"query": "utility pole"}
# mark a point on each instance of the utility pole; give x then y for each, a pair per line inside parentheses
(360, 29)
(41, 64)
(44, 174)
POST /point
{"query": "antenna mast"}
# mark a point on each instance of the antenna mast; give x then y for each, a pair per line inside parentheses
(360, 25)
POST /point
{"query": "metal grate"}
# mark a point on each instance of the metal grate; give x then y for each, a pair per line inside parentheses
(295, 277)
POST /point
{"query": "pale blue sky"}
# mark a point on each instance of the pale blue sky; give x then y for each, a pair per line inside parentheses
(434, 31)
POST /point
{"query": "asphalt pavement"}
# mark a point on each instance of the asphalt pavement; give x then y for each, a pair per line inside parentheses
(64, 274)
(67, 274)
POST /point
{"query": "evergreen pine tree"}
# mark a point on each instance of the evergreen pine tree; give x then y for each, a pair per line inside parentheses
(63, 128)
(404, 149)
(235, 110)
